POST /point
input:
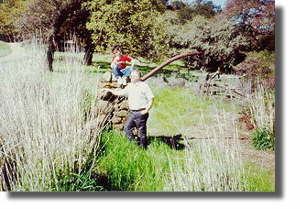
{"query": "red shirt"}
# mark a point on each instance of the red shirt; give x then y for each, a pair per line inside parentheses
(123, 59)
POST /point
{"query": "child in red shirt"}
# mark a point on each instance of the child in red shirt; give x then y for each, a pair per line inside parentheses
(119, 65)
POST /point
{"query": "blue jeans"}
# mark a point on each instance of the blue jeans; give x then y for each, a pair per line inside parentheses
(121, 72)
(136, 119)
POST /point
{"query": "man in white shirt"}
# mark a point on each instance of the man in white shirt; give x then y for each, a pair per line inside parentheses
(140, 100)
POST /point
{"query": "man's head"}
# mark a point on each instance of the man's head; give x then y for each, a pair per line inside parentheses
(135, 75)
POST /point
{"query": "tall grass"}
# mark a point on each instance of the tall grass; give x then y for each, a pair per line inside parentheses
(130, 168)
(262, 109)
(213, 164)
(43, 129)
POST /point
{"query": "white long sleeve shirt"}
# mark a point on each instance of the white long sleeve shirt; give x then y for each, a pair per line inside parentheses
(139, 95)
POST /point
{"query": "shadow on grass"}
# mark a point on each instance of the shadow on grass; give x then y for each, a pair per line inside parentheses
(172, 141)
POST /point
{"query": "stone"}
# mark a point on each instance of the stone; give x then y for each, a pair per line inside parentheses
(177, 83)
(107, 96)
(122, 113)
(124, 105)
(117, 107)
(116, 120)
(103, 107)
(118, 127)
(108, 85)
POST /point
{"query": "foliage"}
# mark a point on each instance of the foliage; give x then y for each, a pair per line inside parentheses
(261, 105)
(4, 49)
(259, 65)
(42, 18)
(217, 38)
(188, 12)
(258, 14)
(131, 24)
(256, 19)
(263, 138)
(10, 11)
(55, 21)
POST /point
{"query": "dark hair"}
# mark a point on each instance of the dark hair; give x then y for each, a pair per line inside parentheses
(117, 47)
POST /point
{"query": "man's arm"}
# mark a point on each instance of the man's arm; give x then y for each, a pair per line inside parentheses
(119, 92)
(148, 106)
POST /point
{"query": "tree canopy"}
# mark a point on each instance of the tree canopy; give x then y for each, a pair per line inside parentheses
(256, 19)
(10, 11)
(218, 39)
(132, 24)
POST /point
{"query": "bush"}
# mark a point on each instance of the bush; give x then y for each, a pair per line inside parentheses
(263, 138)
(259, 65)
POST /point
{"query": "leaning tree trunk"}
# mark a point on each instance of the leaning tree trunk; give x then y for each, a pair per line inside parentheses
(155, 70)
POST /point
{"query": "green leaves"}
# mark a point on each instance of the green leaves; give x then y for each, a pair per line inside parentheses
(217, 37)
(131, 24)
(263, 138)
(9, 14)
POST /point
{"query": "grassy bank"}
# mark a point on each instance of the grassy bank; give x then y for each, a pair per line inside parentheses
(202, 167)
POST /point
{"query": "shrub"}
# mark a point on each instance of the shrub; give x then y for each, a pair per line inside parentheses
(259, 66)
(263, 138)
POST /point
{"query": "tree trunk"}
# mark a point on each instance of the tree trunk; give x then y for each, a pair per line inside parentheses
(50, 54)
(88, 56)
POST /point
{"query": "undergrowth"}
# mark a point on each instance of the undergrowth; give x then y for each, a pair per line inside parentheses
(263, 138)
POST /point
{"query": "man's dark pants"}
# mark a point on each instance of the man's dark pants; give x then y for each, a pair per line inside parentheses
(136, 119)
